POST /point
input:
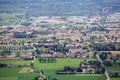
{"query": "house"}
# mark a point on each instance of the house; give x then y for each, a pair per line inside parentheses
(12, 55)
(90, 70)
(27, 55)
(10, 65)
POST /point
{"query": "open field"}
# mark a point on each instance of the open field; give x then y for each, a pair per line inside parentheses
(26, 70)
(113, 69)
(115, 52)
(48, 70)
(115, 78)
(52, 74)
(12, 18)
(61, 62)
(88, 75)
(16, 61)
(13, 74)
(8, 78)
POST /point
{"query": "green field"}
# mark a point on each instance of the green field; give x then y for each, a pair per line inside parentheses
(115, 78)
(61, 62)
(113, 69)
(16, 61)
(7, 19)
(26, 70)
(48, 69)
(13, 74)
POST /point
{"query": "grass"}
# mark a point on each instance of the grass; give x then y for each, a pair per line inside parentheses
(61, 62)
(115, 78)
(114, 53)
(88, 75)
(13, 74)
(113, 69)
(26, 70)
(48, 69)
(8, 78)
(12, 18)
(16, 61)
(87, 46)
(52, 74)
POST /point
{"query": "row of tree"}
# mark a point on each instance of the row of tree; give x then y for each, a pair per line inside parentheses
(47, 60)
(105, 47)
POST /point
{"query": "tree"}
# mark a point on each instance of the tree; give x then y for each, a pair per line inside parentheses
(37, 51)
(3, 65)
(67, 68)
(36, 78)
(79, 70)
(31, 64)
(54, 79)
(103, 56)
(116, 74)
(102, 70)
(94, 55)
(108, 63)
(119, 64)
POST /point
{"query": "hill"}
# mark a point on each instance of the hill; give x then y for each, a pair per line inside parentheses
(59, 7)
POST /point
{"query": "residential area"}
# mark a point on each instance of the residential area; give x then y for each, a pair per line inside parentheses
(50, 39)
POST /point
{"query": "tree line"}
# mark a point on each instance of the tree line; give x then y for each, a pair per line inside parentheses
(47, 60)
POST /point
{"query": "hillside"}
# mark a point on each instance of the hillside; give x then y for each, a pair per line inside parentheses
(59, 7)
(20, 11)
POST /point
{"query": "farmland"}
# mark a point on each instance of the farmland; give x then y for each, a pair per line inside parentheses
(13, 74)
(48, 69)
(115, 78)
(16, 61)
(113, 69)
(61, 62)
(12, 18)
(114, 53)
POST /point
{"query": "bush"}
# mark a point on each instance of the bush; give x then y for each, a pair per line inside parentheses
(108, 63)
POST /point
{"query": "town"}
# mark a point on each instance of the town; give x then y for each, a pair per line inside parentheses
(50, 38)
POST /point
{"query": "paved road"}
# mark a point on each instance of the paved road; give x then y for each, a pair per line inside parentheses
(34, 55)
(106, 72)
(42, 75)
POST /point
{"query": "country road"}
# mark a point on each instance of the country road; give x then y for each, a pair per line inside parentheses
(106, 72)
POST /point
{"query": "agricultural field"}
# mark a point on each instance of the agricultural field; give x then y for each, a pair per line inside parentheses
(115, 78)
(17, 73)
(61, 62)
(6, 18)
(114, 53)
(26, 70)
(50, 68)
(22, 73)
(13, 74)
(16, 62)
(113, 69)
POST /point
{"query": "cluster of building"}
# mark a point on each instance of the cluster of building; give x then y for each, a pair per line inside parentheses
(59, 36)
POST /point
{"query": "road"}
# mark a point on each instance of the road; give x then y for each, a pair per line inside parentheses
(34, 55)
(106, 72)
(42, 75)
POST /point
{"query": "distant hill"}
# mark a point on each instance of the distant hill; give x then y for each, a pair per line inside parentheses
(60, 7)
